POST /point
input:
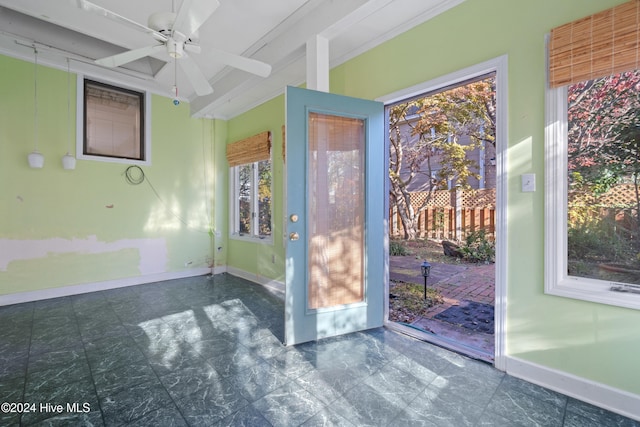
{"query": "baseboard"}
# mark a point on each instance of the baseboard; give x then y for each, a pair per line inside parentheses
(601, 395)
(98, 286)
(274, 286)
(219, 269)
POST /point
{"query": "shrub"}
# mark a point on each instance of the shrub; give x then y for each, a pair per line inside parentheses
(397, 248)
(477, 247)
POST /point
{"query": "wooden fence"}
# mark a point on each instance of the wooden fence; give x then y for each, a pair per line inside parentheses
(618, 207)
(450, 215)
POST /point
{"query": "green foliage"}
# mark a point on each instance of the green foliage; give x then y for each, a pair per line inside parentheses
(596, 240)
(407, 301)
(478, 247)
(593, 234)
(397, 248)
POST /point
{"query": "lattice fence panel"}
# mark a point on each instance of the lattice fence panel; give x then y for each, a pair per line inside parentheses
(619, 196)
(440, 218)
(440, 198)
(479, 198)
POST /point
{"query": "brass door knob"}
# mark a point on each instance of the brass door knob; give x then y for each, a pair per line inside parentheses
(294, 236)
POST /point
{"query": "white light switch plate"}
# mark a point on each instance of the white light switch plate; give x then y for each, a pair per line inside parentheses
(528, 182)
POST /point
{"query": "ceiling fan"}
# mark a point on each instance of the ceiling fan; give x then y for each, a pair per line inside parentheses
(175, 34)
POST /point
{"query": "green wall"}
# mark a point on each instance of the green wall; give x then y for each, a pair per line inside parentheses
(593, 341)
(60, 228)
(263, 259)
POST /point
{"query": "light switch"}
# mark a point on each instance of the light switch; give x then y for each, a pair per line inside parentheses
(528, 182)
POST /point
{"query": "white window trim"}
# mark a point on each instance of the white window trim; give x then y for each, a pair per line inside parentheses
(234, 209)
(556, 279)
(80, 126)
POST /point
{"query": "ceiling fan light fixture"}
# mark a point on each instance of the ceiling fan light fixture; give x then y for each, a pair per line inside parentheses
(175, 49)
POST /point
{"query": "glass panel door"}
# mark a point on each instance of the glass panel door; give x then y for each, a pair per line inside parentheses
(335, 215)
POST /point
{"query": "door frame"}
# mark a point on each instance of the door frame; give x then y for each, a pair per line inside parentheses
(498, 65)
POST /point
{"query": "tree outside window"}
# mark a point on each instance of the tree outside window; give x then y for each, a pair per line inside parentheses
(603, 160)
(253, 201)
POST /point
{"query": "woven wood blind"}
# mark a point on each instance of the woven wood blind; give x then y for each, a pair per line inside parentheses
(337, 132)
(249, 150)
(335, 182)
(596, 46)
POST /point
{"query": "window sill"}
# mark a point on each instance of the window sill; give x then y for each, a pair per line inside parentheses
(595, 291)
(108, 159)
(252, 239)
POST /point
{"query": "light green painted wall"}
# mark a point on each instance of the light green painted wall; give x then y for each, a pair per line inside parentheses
(263, 259)
(594, 341)
(60, 228)
(221, 194)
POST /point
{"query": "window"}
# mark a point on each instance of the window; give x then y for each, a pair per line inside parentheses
(252, 192)
(113, 123)
(592, 245)
(251, 187)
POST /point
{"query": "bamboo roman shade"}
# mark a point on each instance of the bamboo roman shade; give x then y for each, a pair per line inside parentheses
(596, 46)
(339, 133)
(249, 150)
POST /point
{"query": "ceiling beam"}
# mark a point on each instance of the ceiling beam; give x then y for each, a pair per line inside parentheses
(318, 63)
(311, 19)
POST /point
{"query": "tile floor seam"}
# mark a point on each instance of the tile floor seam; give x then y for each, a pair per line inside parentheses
(93, 381)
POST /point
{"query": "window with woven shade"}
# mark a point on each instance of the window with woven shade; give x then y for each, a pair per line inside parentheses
(249, 150)
(251, 187)
(592, 142)
(596, 46)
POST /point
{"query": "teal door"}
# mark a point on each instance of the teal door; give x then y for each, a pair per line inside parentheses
(335, 215)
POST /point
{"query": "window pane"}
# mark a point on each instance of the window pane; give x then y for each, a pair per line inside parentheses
(335, 224)
(603, 183)
(113, 121)
(245, 173)
(264, 198)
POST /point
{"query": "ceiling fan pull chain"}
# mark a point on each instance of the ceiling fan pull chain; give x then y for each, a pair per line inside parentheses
(175, 101)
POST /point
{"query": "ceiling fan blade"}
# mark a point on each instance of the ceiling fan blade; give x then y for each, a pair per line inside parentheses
(249, 65)
(192, 48)
(194, 74)
(191, 16)
(101, 11)
(130, 55)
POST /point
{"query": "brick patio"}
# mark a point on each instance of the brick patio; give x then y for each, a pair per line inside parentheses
(456, 282)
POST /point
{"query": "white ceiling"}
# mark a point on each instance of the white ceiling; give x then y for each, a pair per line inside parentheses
(273, 31)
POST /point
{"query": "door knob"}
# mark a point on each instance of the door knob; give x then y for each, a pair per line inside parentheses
(293, 218)
(294, 236)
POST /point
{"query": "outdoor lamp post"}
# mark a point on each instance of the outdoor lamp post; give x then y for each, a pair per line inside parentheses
(425, 268)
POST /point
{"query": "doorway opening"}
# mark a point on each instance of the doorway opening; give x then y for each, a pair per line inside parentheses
(444, 214)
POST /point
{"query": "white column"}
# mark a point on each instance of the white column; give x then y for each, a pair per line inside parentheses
(318, 63)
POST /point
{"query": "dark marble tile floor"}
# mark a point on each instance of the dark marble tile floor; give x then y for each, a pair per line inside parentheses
(207, 351)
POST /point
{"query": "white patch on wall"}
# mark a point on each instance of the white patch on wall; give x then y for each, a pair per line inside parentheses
(153, 252)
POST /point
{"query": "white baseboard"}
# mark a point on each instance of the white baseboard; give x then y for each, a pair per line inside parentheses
(219, 269)
(98, 286)
(601, 395)
(274, 286)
